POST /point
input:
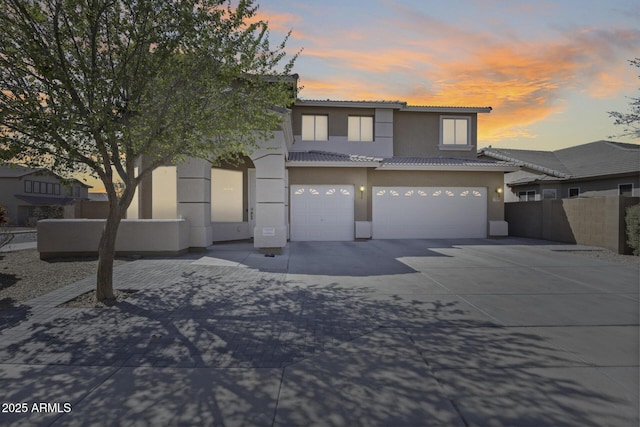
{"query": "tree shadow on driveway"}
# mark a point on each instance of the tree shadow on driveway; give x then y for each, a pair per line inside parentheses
(236, 346)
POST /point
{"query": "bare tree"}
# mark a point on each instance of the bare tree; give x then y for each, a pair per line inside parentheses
(631, 120)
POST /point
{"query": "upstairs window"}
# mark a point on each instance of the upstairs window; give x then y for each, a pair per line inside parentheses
(454, 131)
(360, 128)
(315, 127)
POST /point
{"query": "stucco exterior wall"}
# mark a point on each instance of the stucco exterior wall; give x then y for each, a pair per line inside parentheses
(369, 178)
(418, 134)
(338, 117)
(80, 237)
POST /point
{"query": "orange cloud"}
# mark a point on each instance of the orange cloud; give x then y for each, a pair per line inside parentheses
(524, 81)
(379, 61)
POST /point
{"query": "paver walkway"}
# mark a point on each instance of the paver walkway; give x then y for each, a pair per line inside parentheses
(394, 333)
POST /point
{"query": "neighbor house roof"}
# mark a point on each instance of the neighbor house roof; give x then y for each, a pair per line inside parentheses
(325, 158)
(12, 170)
(594, 159)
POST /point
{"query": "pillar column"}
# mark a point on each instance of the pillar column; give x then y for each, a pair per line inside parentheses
(194, 200)
(270, 231)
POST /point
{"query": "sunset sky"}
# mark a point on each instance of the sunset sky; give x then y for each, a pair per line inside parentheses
(551, 70)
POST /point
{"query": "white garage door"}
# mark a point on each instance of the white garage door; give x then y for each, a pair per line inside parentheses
(322, 212)
(429, 212)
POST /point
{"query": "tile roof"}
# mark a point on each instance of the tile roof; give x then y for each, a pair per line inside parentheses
(342, 103)
(400, 105)
(326, 156)
(9, 170)
(12, 170)
(393, 162)
(593, 159)
(441, 161)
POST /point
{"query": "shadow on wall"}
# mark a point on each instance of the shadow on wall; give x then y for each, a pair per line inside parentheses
(539, 220)
(592, 221)
(398, 360)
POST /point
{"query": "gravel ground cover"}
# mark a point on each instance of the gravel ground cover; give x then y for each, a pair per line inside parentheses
(23, 275)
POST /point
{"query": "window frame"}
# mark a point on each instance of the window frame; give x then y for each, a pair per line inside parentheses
(360, 117)
(315, 127)
(28, 186)
(448, 146)
(546, 191)
(628, 184)
(573, 188)
(527, 194)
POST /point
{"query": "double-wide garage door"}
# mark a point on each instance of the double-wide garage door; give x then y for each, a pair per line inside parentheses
(429, 212)
(326, 212)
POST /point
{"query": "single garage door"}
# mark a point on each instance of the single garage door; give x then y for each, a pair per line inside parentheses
(322, 212)
(429, 212)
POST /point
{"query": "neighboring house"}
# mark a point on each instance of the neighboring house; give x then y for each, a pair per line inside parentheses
(30, 194)
(341, 170)
(600, 168)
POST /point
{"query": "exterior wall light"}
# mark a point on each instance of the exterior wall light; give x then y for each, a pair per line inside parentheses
(361, 191)
(499, 190)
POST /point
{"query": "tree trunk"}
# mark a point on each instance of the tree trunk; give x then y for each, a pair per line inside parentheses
(106, 255)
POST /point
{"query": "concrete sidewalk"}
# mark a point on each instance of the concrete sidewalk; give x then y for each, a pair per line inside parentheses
(390, 333)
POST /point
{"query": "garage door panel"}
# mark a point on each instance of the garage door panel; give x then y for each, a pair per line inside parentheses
(322, 212)
(429, 212)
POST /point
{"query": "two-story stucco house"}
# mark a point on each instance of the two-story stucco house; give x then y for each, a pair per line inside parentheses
(341, 170)
(387, 170)
(23, 190)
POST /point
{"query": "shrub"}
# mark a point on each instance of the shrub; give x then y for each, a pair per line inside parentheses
(55, 212)
(632, 220)
(5, 236)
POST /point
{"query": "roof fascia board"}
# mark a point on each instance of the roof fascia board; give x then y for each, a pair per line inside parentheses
(350, 104)
(332, 164)
(436, 109)
(450, 168)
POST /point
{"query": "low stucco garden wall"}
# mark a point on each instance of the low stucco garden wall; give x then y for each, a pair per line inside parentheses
(80, 237)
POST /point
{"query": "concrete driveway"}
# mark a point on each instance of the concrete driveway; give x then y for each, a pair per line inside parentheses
(393, 333)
